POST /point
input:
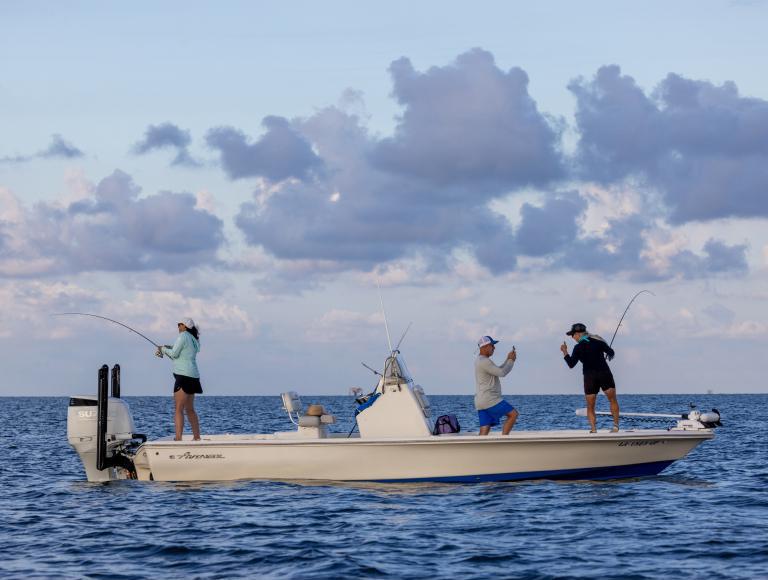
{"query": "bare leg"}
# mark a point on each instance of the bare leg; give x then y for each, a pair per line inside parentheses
(591, 411)
(611, 394)
(189, 408)
(485, 430)
(180, 399)
(510, 422)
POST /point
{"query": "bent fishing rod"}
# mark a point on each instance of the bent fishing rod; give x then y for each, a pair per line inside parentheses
(625, 313)
(108, 320)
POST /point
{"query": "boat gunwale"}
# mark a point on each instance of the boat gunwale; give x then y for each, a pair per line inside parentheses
(517, 438)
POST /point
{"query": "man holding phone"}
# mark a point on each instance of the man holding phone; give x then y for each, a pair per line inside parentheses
(490, 405)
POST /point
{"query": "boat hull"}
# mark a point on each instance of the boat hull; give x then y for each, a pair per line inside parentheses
(522, 455)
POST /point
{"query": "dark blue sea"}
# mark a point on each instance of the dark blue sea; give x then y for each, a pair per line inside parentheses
(705, 517)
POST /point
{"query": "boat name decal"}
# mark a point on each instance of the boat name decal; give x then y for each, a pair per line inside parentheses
(188, 455)
(641, 443)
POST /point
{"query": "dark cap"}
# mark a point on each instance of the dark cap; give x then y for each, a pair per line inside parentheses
(578, 327)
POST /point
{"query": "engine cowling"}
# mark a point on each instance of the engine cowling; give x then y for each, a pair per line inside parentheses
(82, 435)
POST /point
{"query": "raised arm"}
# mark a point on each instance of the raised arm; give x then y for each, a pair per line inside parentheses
(571, 359)
(490, 367)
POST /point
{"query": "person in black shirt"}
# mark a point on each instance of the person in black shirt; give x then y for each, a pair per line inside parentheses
(592, 351)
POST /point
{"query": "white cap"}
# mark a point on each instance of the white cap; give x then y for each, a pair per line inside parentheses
(188, 322)
(485, 340)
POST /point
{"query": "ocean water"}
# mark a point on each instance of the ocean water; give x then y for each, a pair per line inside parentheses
(704, 517)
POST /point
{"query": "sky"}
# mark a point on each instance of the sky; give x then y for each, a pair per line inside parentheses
(494, 167)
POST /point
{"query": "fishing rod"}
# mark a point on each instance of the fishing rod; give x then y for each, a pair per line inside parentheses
(625, 313)
(108, 320)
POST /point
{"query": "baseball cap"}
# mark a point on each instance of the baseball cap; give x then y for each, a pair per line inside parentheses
(188, 322)
(486, 340)
(577, 327)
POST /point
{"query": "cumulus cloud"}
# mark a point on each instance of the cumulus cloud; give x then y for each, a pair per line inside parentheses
(358, 216)
(167, 136)
(112, 229)
(29, 304)
(280, 153)
(59, 148)
(469, 133)
(210, 313)
(703, 147)
(331, 197)
(469, 122)
(618, 249)
(718, 258)
(469, 136)
(551, 227)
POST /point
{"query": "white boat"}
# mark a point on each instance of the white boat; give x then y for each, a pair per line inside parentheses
(394, 444)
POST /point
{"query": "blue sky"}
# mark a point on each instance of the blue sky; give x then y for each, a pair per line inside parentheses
(500, 168)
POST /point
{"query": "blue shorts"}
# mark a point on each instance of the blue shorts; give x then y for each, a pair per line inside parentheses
(490, 417)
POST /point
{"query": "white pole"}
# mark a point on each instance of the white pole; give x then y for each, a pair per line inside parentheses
(384, 314)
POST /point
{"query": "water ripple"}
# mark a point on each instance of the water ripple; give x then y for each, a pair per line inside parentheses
(704, 517)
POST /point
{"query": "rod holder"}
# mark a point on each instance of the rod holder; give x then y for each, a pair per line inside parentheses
(101, 421)
(116, 381)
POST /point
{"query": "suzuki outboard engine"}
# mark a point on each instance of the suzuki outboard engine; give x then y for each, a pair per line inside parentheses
(101, 430)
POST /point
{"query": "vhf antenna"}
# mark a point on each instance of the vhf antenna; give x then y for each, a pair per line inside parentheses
(399, 342)
(384, 314)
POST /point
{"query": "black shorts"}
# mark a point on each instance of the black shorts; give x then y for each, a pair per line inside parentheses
(189, 385)
(593, 382)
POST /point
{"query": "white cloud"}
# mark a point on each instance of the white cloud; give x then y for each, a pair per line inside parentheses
(204, 200)
(608, 203)
(746, 329)
(344, 326)
(159, 312)
(661, 246)
(29, 307)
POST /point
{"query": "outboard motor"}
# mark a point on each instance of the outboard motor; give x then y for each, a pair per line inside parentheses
(101, 429)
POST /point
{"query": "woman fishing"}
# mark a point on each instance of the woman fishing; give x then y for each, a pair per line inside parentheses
(187, 385)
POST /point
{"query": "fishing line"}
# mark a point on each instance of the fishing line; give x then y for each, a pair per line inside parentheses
(108, 320)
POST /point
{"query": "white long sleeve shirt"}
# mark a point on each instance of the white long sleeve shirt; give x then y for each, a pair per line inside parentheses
(487, 383)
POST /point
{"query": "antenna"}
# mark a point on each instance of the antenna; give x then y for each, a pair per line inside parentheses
(384, 314)
(399, 342)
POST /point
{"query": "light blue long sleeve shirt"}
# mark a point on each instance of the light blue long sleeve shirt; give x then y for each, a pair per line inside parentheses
(184, 355)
